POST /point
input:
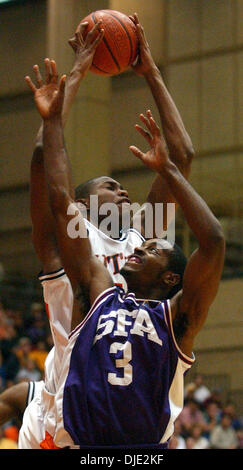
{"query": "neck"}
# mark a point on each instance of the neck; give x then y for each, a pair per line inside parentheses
(145, 291)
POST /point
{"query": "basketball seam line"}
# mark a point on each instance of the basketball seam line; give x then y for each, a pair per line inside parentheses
(108, 47)
(127, 33)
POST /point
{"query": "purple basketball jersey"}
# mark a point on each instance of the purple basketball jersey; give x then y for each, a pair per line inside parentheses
(124, 386)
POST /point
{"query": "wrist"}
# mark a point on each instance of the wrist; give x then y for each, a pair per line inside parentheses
(152, 73)
(76, 72)
(53, 120)
(168, 169)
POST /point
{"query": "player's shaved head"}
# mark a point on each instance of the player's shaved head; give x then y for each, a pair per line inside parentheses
(84, 190)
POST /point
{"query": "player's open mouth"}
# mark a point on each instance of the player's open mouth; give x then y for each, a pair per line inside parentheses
(135, 259)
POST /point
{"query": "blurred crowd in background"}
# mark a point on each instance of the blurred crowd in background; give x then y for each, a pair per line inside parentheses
(206, 422)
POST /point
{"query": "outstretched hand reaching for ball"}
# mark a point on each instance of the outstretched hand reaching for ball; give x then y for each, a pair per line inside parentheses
(49, 95)
(85, 48)
(157, 156)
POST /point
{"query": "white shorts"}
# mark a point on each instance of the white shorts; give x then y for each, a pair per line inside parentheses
(31, 431)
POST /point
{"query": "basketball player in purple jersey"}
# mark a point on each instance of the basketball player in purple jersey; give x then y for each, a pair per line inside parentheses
(121, 384)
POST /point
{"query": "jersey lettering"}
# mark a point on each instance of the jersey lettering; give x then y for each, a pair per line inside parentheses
(108, 325)
(143, 324)
(113, 260)
(121, 320)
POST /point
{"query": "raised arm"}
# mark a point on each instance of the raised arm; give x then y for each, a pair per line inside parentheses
(86, 273)
(43, 230)
(178, 141)
(204, 268)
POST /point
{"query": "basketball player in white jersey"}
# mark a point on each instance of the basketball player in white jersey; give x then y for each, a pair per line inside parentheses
(154, 338)
(114, 252)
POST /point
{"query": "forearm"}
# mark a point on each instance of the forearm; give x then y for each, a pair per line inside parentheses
(56, 162)
(199, 217)
(175, 134)
(72, 86)
(39, 199)
(41, 216)
(75, 251)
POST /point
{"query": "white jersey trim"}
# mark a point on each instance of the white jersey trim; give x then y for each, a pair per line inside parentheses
(123, 236)
(53, 275)
(30, 393)
(168, 319)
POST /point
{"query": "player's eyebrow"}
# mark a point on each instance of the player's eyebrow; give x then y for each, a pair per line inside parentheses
(154, 244)
(113, 183)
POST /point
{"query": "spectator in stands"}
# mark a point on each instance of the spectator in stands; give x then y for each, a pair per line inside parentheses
(177, 441)
(190, 442)
(38, 330)
(9, 357)
(239, 433)
(35, 309)
(23, 349)
(18, 322)
(200, 442)
(223, 436)
(229, 409)
(216, 396)
(201, 392)
(28, 372)
(212, 414)
(10, 339)
(190, 415)
(38, 354)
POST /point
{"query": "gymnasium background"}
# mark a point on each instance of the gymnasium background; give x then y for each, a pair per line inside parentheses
(198, 45)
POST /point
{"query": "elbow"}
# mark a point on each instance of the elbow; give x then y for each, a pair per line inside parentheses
(183, 155)
(217, 238)
(37, 157)
(190, 153)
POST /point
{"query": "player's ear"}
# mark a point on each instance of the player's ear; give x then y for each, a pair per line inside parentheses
(171, 279)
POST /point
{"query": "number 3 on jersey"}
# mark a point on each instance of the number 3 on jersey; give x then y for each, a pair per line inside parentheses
(122, 363)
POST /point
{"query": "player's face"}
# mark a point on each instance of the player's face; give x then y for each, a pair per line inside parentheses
(109, 190)
(149, 261)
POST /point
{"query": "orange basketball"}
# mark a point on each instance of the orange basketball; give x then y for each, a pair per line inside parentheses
(119, 46)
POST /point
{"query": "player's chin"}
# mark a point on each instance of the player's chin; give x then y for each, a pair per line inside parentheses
(124, 208)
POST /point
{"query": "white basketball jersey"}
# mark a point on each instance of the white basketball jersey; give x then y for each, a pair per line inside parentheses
(113, 253)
